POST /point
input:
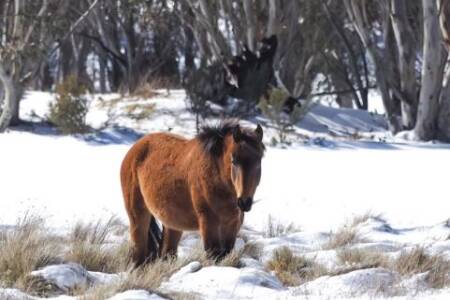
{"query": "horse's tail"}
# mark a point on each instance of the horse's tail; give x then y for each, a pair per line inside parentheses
(154, 238)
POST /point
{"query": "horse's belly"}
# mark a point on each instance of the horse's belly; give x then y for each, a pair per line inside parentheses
(172, 206)
(177, 219)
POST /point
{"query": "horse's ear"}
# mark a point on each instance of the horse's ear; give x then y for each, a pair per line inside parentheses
(237, 134)
(259, 132)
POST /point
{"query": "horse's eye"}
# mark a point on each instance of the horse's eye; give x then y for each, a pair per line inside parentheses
(234, 161)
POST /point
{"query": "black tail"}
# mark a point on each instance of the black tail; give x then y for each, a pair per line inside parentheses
(154, 239)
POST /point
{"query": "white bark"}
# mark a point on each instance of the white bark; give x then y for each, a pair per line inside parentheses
(272, 27)
(406, 51)
(10, 99)
(251, 24)
(444, 101)
(432, 74)
(356, 11)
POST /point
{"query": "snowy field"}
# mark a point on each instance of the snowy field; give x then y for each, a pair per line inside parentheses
(342, 172)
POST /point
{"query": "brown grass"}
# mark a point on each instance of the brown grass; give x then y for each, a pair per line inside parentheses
(294, 270)
(25, 248)
(139, 111)
(418, 261)
(276, 229)
(344, 237)
(358, 220)
(88, 246)
(147, 278)
(253, 250)
(362, 259)
(145, 90)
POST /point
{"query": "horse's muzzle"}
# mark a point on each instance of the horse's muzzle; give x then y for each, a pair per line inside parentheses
(245, 204)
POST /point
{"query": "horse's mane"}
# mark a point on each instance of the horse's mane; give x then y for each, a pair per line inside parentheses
(212, 138)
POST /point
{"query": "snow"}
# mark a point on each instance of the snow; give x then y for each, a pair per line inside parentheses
(226, 283)
(136, 295)
(70, 276)
(345, 165)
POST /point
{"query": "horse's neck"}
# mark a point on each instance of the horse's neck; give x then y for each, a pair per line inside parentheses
(213, 170)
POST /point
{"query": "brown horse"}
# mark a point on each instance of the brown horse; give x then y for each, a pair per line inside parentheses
(205, 183)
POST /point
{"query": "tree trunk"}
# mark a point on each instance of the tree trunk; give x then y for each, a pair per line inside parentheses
(432, 74)
(406, 54)
(444, 108)
(10, 112)
(251, 24)
(444, 101)
(356, 12)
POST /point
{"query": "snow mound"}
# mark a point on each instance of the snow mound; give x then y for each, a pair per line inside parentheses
(189, 268)
(226, 283)
(368, 281)
(69, 276)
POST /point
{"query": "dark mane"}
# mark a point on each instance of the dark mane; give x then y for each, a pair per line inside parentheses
(212, 137)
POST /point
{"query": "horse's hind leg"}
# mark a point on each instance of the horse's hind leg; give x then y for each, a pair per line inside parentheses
(171, 238)
(139, 225)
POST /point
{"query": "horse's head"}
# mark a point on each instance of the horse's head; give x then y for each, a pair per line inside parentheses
(246, 152)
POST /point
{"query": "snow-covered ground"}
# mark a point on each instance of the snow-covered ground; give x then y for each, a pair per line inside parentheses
(340, 164)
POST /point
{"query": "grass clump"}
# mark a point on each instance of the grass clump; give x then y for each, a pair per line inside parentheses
(362, 259)
(253, 250)
(276, 229)
(148, 277)
(24, 248)
(344, 237)
(139, 111)
(418, 261)
(294, 270)
(88, 246)
(69, 111)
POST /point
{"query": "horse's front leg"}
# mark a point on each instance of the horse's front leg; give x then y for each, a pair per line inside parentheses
(228, 232)
(209, 231)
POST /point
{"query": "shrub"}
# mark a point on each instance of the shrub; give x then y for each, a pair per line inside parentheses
(69, 111)
(273, 108)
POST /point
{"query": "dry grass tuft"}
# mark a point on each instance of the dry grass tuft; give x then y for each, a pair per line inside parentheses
(25, 248)
(88, 246)
(145, 90)
(344, 237)
(276, 229)
(148, 278)
(253, 250)
(294, 270)
(362, 259)
(139, 111)
(414, 262)
(39, 286)
(418, 261)
(438, 276)
(357, 220)
(233, 259)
